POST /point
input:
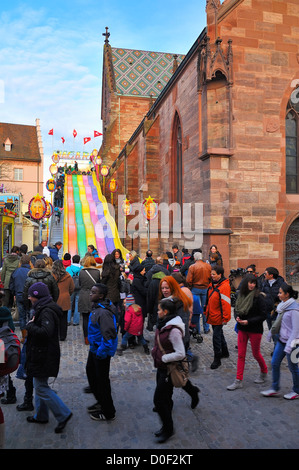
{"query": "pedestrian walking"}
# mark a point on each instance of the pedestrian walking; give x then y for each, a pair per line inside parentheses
(66, 287)
(218, 312)
(250, 314)
(169, 338)
(287, 331)
(43, 357)
(102, 337)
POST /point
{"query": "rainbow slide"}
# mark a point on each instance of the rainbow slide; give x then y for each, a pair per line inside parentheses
(87, 220)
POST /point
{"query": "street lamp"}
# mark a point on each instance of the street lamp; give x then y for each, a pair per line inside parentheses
(104, 173)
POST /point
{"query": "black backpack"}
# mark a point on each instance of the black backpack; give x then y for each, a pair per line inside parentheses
(76, 281)
(10, 351)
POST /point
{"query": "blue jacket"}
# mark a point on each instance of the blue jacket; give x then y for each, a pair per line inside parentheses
(74, 269)
(102, 330)
(17, 281)
(53, 252)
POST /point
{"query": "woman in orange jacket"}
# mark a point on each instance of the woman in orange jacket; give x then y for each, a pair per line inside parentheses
(218, 312)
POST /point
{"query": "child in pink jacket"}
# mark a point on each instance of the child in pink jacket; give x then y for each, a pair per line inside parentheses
(133, 327)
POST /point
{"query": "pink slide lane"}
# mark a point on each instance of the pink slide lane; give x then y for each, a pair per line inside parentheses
(98, 228)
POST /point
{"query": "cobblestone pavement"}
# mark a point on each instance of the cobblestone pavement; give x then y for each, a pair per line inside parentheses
(241, 419)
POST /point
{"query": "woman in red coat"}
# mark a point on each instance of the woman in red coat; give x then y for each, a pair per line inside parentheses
(218, 312)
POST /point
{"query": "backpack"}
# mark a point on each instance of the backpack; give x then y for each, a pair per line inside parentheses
(76, 281)
(10, 351)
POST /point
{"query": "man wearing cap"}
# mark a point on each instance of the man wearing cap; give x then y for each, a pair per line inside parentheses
(43, 356)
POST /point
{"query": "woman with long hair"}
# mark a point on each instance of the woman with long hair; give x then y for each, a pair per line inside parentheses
(66, 287)
(250, 313)
(286, 327)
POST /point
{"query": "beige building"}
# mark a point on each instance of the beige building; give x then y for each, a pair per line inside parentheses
(21, 159)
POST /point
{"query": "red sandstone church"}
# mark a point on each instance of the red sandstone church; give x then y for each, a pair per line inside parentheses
(218, 127)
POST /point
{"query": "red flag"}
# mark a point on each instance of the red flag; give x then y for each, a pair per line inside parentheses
(63, 140)
(86, 139)
(74, 133)
(50, 132)
(96, 134)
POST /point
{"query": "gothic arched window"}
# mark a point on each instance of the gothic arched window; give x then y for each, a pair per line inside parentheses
(292, 146)
(177, 163)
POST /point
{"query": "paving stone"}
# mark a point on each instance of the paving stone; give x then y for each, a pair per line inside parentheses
(240, 419)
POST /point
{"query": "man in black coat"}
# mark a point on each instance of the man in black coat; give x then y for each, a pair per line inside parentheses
(270, 288)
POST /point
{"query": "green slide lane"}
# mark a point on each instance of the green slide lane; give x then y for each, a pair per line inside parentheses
(81, 233)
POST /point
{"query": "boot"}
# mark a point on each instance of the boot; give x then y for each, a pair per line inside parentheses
(122, 348)
(10, 395)
(146, 349)
(216, 363)
(225, 352)
(27, 405)
(24, 334)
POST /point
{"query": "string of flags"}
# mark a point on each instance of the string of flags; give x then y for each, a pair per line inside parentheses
(75, 133)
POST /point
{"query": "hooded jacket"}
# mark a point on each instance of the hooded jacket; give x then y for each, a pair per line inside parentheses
(218, 309)
(10, 263)
(289, 330)
(17, 281)
(134, 320)
(171, 339)
(40, 275)
(102, 330)
(43, 350)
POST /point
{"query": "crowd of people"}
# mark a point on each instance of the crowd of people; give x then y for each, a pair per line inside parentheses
(172, 295)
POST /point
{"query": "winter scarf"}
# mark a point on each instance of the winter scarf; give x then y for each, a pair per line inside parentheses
(244, 303)
(281, 307)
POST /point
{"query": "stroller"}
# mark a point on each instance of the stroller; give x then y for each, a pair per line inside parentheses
(194, 325)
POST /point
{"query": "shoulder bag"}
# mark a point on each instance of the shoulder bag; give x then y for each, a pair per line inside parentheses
(177, 370)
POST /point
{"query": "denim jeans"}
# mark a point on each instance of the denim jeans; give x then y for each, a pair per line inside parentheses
(23, 314)
(202, 294)
(74, 302)
(128, 335)
(277, 358)
(45, 399)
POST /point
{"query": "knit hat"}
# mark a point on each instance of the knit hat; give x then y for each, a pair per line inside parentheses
(38, 290)
(129, 300)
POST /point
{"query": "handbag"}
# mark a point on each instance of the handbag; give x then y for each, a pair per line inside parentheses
(177, 370)
(275, 329)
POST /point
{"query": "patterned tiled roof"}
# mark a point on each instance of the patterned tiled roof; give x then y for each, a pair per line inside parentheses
(142, 73)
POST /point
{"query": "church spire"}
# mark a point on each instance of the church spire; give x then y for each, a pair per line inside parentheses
(106, 34)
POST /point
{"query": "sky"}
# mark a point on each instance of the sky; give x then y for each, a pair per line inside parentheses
(51, 56)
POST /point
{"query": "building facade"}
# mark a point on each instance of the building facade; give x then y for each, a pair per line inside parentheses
(21, 159)
(223, 133)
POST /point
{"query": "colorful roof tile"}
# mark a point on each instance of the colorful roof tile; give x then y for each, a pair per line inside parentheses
(142, 73)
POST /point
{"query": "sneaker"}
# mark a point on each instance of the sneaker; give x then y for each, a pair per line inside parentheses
(98, 416)
(291, 396)
(261, 378)
(237, 384)
(270, 393)
(93, 408)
